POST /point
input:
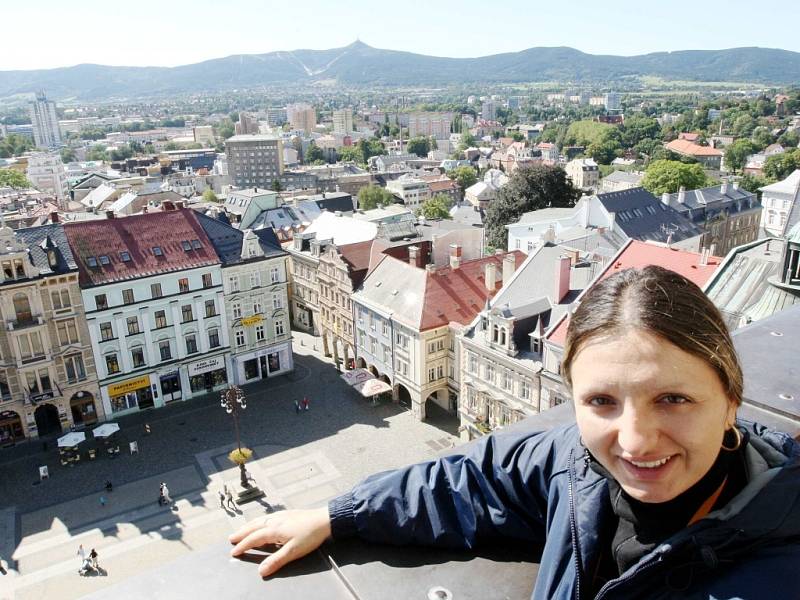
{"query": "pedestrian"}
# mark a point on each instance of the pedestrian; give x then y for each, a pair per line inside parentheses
(147, 428)
(221, 499)
(3, 570)
(165, 493)
(109, 486)
(82, 553)
(102, 501)
(229, 499)
(305, 403)
(93, 556)
(297, 407)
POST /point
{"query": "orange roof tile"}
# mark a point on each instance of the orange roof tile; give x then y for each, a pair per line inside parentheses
(687, 147)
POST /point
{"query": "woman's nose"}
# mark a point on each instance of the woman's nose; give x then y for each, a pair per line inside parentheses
(637, 431)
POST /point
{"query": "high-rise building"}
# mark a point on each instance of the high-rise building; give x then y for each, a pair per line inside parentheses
(46, 133)
(46, 173)
(488, 110)
(276, 116)
(302, 117)
(254, 160)
(343, 121)
(430, 124)
(611, 101)
(246, 125)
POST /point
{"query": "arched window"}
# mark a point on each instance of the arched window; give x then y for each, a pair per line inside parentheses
(22, 308)
(503, 336)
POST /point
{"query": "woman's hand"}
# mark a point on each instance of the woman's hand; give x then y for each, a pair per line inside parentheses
(297, 532)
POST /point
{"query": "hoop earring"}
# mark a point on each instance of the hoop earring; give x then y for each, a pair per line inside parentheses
(738, 444)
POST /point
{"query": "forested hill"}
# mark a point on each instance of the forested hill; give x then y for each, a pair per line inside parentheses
(360, 64)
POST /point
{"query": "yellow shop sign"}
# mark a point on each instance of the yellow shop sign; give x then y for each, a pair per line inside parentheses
(254, 320)
(129, 385)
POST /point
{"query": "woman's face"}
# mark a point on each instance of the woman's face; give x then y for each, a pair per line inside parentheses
(652, 414)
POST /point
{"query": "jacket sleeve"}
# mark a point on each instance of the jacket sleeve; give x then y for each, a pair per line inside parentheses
(499, 488)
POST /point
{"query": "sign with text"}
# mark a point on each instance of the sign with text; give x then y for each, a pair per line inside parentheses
(128, 386)
(207, 365)
(252, 320)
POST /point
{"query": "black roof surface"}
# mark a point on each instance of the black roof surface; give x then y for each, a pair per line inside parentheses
(227, 240)
(36, 238)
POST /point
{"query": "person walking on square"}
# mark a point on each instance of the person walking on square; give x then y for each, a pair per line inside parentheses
(229, 499)
(3, 570)
(305, 403)
(82, 553)
(102, 501)
(165, 493)
(297, 407)
(221, 499)
(93, 556)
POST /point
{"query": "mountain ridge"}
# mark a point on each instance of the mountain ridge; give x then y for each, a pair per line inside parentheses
(359, 64)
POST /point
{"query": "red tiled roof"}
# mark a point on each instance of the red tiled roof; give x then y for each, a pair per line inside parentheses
(687, 147)
(443, 185)
(138, 235)
(356, 255)
(460, 294)
(638, 255)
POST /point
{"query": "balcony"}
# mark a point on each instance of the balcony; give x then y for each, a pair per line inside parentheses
(24, 322)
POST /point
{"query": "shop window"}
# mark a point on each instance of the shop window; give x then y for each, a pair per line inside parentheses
(251, 369)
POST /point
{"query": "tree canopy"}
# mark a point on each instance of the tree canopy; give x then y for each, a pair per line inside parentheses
(670, 175)
(210, 196)
(780, 166)
(529, 188)
(313, 154)
(420, 146)
(736, 154)
(437, 207)
(373, 196)
(14, 145)
(13, 179)
(464, 176)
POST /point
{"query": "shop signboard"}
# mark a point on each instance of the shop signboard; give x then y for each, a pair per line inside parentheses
(129, 385)
(207, 365)
(252, 320)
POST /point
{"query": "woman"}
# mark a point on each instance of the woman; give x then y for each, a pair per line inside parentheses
(655, 492)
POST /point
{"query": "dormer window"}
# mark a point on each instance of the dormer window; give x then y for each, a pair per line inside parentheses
(157, 251)
(196, 244)
(52, 260)
(186, 245)
(104, 260)
(124, 256)
(19, 268)
(91, 261)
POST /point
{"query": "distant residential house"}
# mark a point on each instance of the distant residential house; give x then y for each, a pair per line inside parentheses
(781, 205)
(709, 157)
(728, 215)
(616, 181)
(549, 152)
(583, 172)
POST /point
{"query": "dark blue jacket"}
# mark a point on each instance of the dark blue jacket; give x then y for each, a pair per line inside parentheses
(539, 487)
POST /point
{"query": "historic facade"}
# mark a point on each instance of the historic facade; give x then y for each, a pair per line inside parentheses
(47, 376)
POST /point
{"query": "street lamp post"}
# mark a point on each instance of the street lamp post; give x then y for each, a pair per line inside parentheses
(233, 401)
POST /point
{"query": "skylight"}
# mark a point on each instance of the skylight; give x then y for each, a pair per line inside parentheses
(91, 261)
(157, 251)
(124, 256)
(196, 244)
(104, 260)
(186, 245)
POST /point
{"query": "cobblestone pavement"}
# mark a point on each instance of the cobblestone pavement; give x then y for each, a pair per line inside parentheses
(300, 460)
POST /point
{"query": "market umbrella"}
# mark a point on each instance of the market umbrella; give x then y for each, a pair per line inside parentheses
(372, 387)
(356, 376)
(105, 430)
(72, 439)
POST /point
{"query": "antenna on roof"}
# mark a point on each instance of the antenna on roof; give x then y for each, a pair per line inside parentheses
(669, 230)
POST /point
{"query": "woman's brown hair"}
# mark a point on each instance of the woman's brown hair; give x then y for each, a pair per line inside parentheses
(663, 303)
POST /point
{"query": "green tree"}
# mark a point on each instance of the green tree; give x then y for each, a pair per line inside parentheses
(209, 196)
(68, 155)
(736, 154)
(437, 207)
(529, 188)
(464, 176)
(276, 186)
(751, 183)
(225, 129)
(669, 175)
(743, 126)
(13, 179)
(467, 141)
(313, 153)
(97, 152)
(790, 139)
(124, 152)
(638, 128)
(780, 166)
(169, 146)
(14, 145)
(603, 151)
(419, 145)
(373, 196)
(350, 154)
(762, 137)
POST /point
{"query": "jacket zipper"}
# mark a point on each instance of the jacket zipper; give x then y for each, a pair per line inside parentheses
(628, 576)
(574, 530)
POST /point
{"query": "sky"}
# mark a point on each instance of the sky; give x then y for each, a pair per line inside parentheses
(41, 34)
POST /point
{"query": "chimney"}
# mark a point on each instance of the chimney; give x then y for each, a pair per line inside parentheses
(167, 205)
(665, 198)
(562, 278)
(490, 275)
(109, 214)
(455, 256)
(682, 195)
(498, 252)
(144, 210)
(712, 250)
(723, 189)
(736, 185)
(509, 266)
(54, 217)
(179, 204)
(703, 257)
(414, 256)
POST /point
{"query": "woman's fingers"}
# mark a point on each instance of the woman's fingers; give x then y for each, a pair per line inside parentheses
(247, 529)
(278, 559)
(260, 537)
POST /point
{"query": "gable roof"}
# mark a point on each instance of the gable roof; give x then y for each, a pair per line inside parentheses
(138, 235)
(687, 147)
(37, 239)
(227, 240)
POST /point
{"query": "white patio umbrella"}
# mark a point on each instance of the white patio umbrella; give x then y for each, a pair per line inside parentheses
(72, 439)
(372, 387)
(105, 430)
(356, 376)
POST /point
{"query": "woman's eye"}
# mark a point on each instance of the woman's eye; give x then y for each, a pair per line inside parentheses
(599, 401)
(674, 399)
